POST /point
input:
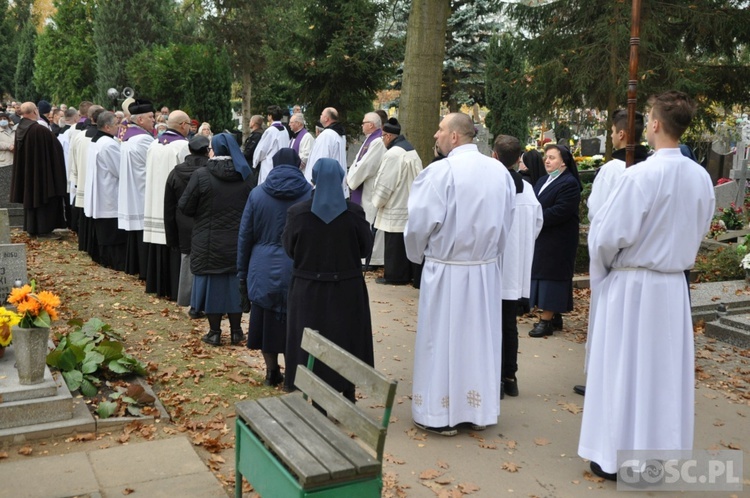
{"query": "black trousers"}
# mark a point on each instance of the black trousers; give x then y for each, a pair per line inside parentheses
(397, 267)
(509, 364)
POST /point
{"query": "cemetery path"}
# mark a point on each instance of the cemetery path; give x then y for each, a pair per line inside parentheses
(532, 450)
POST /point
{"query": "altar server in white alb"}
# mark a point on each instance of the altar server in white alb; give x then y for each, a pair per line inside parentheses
(102, 183)
(518, 256)
(273, 140)
(640, 378)
(460, 213)
(331, 143)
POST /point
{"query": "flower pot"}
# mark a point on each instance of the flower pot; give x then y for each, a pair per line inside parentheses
(30, 347)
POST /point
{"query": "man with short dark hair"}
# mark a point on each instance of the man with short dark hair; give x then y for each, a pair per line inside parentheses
(38, 179)
(460, 213)
(608, 174)
(640, 383)
(274, 138)
(517, 257)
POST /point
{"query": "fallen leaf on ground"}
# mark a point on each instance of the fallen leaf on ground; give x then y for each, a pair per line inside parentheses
(510, 467)
(26, 450)
(591, 477)
(3, 454)
(468, 487)
(392, 459)
(442, 464)
(540, 441)
(128, 491)
(430, 474)
(571, 407)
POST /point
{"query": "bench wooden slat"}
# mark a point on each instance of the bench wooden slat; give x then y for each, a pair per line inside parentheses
(339, 407)
(367, 379)
(356, 454)
(323, 450)
(293, 454)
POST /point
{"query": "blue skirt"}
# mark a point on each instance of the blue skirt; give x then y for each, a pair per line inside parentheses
(216, 294)
(552, 295)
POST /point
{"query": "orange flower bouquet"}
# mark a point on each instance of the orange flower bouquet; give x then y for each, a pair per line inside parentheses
(36, 309)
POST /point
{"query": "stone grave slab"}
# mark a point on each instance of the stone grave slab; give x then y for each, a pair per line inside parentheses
(12, 267)
(15, 211)
(4, 227)
(732, 329)
(726, 194)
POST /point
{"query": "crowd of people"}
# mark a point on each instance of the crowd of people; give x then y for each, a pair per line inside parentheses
(283, 227)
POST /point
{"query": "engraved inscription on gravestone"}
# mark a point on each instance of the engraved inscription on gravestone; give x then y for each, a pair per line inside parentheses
(12, 267)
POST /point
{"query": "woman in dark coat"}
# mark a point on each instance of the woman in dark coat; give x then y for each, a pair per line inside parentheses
(215, 198)
(559, 193)
(263, 267)
(327, 237)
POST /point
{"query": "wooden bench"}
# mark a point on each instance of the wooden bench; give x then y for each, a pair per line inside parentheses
(287, 448)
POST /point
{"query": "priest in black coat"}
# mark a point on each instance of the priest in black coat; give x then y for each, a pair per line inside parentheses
(38, 180)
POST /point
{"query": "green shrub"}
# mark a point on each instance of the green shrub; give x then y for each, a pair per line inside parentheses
(90, 351)
(718, 265)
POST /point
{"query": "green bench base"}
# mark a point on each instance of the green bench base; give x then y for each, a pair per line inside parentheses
(272, 480)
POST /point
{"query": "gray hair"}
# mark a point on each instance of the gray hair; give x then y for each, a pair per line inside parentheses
(373, 116)
(298, 116)
(106, 118)
(70, 112)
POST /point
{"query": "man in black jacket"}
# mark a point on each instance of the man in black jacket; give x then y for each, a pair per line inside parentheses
(248, 149)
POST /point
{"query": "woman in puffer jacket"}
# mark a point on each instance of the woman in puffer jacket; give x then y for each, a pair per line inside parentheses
(263, 267)
(215, 198)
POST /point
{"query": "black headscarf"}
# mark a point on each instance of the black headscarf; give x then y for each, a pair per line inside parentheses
(534, 165)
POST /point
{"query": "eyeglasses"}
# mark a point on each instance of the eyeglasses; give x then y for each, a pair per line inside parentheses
(185, 123)
(366, 122)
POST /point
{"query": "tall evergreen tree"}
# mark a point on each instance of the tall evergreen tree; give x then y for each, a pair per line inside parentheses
(7, 50)
(24, 87)
(578, 50)
(506, 89)
(469, 29)
(334, 58)
(65, 65)
(121, 30)
(195, 78)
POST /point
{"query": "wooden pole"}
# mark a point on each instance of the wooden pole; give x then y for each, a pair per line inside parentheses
(635, 41)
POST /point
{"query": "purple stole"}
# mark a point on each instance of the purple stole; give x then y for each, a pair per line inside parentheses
(298, 139)
(278, 126)
(133, 131)
(356, 194)
(170, 136)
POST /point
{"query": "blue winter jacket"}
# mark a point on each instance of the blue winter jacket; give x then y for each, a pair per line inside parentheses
(261, 259)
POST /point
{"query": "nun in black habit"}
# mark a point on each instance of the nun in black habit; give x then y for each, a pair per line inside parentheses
(327, 238)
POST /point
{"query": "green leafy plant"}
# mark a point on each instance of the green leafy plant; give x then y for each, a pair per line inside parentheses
(718, 265)
(90, 351)
(128, 399)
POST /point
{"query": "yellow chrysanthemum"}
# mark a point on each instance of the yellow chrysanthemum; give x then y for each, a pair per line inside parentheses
(18, 294)
(8, 317)
(5, 335)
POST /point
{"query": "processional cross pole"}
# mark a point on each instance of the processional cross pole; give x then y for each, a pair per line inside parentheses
(635, 41)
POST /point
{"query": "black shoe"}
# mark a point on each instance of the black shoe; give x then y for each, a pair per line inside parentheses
(237, 337)
(274, 378)
(597, 471)
(557, 322)
(213, 338)
(443, 431)
(510, 386)
(579, 389)
(544, 327)
(195, 315)
(382, 280)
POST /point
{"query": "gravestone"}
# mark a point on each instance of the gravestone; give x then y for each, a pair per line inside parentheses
(4, 227)
(726, 194)
(15, 211)
(739, 170)
(589, 146)
(12, 267)
(483, 139)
